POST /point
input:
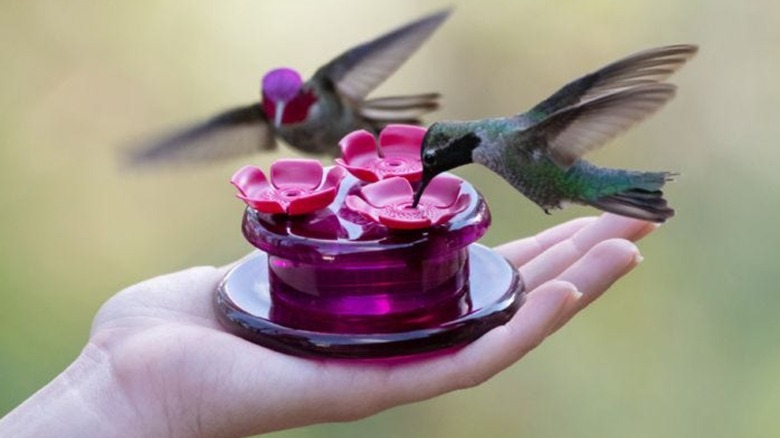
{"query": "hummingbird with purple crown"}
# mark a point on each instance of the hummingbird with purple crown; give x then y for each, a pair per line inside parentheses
(310, 116)
(539, 152)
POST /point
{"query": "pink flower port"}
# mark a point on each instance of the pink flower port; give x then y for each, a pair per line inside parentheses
(296, 187)
(397, 154)
(389, 202)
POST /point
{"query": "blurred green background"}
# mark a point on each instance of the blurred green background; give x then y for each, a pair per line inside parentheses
(687, 345)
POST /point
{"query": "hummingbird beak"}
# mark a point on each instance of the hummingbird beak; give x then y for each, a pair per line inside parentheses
(426, 179)
(279, 113)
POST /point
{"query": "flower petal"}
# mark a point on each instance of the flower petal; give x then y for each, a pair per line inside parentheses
(402, 223)
(401, 146)
(270, 206)
(296, 173)
(442, 191)
(388, 192)
(356, 144)
(311, 202)
(461, 204)
(358, 205)
(333, 178)
(359, 150)
(402, 139)
(361, 173)
(249, 179)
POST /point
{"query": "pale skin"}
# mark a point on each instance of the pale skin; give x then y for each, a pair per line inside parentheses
(159, 364)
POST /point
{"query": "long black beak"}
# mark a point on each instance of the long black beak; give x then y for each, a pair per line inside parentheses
(426, 179)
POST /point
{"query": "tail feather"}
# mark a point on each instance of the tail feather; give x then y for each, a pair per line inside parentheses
(428, 100)
(392, 114)
(644, 201)
(398, 109)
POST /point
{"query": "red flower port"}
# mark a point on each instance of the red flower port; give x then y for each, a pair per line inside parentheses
(296, 187)
(396, 154)
(389, 202)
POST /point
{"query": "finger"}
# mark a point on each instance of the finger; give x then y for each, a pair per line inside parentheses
(651, 226)
(546, 309)
(480, 360)
(521, 251)
(507, 344)
(561, 255)
(594, 273)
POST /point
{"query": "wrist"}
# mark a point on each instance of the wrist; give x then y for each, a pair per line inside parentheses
(85, 400)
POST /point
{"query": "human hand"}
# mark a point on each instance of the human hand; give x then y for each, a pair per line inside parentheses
(172, 370)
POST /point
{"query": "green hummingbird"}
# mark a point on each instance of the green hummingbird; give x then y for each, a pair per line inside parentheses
(310, 116)
(538, 152)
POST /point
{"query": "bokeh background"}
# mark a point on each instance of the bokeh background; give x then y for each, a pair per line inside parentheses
(687, 345)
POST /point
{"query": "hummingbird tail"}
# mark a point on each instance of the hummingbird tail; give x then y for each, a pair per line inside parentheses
(643, 200)
(398, 109)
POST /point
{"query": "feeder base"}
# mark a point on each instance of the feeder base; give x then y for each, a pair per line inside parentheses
(244, 306)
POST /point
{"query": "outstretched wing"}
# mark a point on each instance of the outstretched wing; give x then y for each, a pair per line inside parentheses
(238, 131)
(570, 133)
(642, 68)
(361, 69)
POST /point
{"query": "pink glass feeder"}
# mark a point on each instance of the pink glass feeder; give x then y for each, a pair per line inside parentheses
(364, 275)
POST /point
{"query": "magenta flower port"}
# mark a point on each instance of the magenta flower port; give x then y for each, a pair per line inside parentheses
(346, 268)
(389, 202)
(397, 153)
(296, 187)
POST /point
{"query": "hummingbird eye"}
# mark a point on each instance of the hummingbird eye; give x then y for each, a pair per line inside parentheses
(429, 158)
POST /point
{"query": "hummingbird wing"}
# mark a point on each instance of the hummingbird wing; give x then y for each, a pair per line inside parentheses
(571, 132)
(235, 132)
(359, 70)
(645, 67)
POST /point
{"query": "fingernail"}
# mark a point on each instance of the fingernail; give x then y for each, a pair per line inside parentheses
(574, 292)
(567, 309)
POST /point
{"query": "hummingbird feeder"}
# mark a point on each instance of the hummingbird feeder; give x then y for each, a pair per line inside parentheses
(347, 268)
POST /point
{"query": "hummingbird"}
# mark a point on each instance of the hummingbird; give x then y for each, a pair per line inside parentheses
(311, 116)
(539, 152)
